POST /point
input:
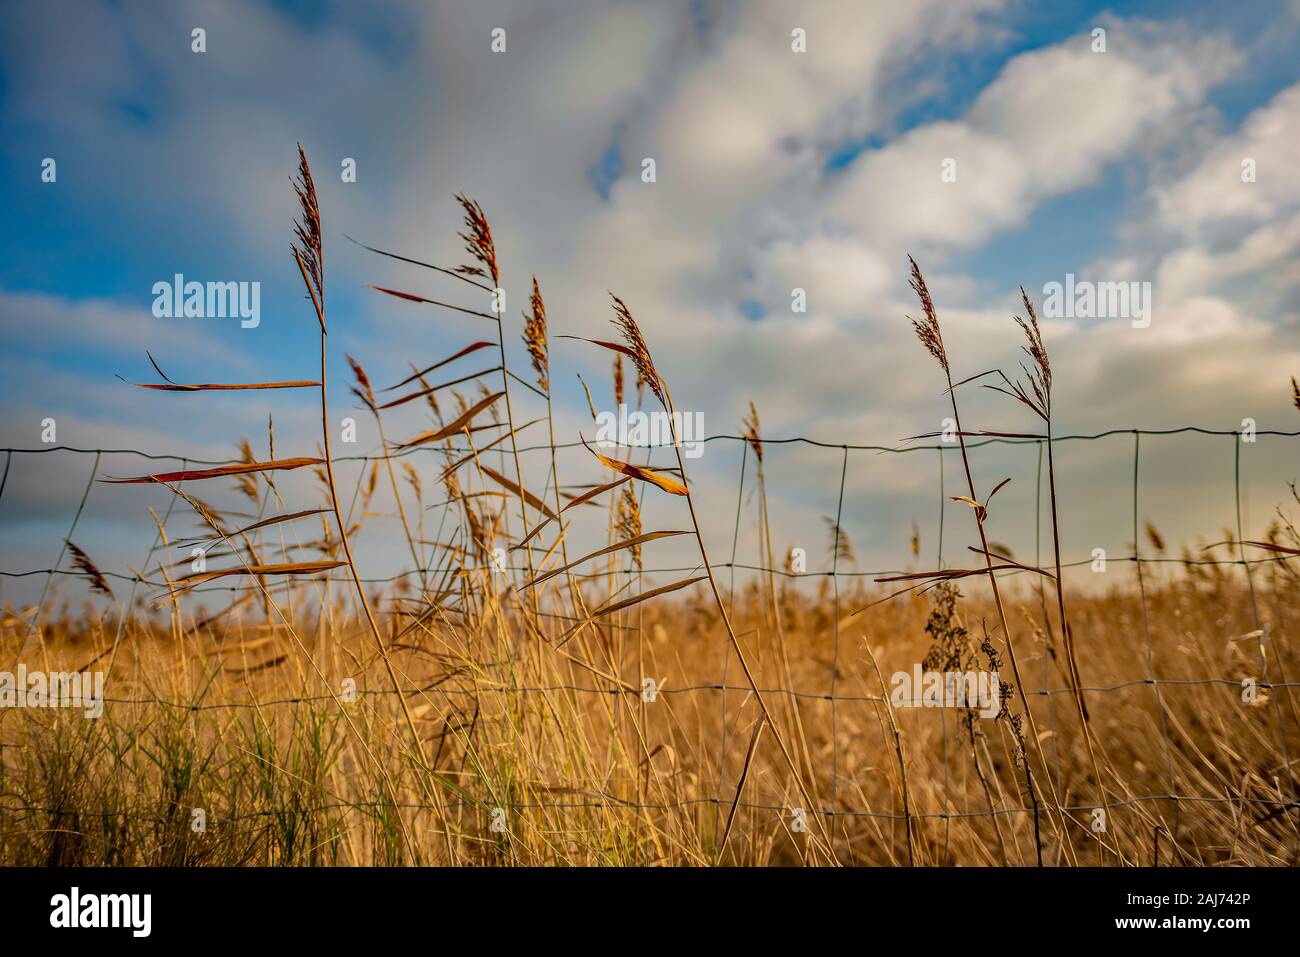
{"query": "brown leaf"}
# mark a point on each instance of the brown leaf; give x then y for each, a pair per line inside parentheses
(429, 390)
(627, 543)
(287, 568)
(529, 497)
(574, 500)
(232, 387)
(670, 485)
(628, 602)
(442, 433)
(274, 521)
(434, 302)
(472, 347)
(603, 344)
(194, 475)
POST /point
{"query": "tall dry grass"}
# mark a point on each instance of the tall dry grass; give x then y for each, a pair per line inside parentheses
(497, 712)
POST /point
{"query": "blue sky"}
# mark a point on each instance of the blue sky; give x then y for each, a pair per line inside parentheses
(776, 170)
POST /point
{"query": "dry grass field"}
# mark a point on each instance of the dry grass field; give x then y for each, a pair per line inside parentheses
(473, 716)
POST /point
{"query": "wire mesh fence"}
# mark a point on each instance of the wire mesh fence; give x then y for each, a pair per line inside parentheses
(836, 805)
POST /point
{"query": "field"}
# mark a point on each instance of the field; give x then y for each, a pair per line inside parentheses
(503, 704)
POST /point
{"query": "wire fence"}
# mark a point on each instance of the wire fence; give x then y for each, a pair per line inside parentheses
(832, 695)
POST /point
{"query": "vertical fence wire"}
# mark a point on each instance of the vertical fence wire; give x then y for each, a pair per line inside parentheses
(9, 458)
(835, 658)
(731, 602)
(1146, 631)
(1047, 624)
(1261, 628)
(63, 548)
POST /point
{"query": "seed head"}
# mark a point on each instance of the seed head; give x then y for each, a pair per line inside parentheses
(1040, 378)
(535, 337)
(478, 241)
(308, 247)
(750, 429)
(629, 520)
(645, 367)
(927, 328)
(81, 561)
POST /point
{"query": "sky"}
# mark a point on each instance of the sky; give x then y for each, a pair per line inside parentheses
(808, 147)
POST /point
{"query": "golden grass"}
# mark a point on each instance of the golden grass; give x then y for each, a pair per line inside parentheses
(570, 711)
(253, 735)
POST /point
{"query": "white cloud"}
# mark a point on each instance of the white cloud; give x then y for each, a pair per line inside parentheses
(1048, 124)
(1214, 190)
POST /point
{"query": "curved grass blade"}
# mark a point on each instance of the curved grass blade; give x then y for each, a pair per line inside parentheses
(497, 441)
(262, 524)
(617, 546)
(574, 500)
(224, 387)
(532, 499)
(472, 347)
(434, 388)
(670, 485)
(410, 297)
(194, 475)
(628, 602)
(455, 427)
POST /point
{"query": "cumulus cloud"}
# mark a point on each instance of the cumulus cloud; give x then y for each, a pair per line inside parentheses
(1217, 188)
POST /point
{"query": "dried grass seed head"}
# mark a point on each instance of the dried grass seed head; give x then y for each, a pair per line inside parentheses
(927, 328)
(82, 563)
(308, 246)
(478, 241)
(645, 367)
(362, 390)
(750, 429)
(535, 337)
(629, 520)
(841, 548)
(1040, 379)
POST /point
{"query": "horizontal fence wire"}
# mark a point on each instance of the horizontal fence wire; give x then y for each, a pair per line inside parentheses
(612, 802)
(800, 439)
(686, 689)
(740, 566)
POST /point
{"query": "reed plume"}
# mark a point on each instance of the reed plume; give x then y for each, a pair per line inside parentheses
(478, 242)
(81, 561)
(751, 431)
(629, 522)
(927, 327)
(535, 337)
(841, 547)
(637, 350)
